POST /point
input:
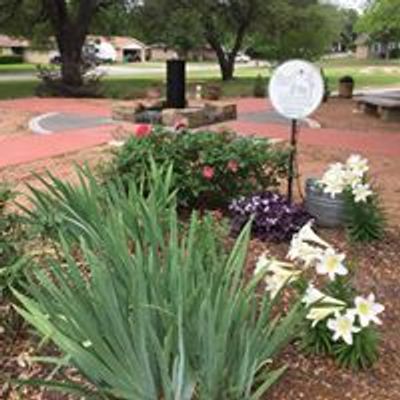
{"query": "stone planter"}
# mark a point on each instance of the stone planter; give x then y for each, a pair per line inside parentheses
(212, 92)
(328, 212)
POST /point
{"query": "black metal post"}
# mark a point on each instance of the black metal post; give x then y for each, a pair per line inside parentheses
(292, 158)
(176, 84)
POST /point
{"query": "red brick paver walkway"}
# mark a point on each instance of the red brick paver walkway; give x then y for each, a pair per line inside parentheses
(25, 149)
(380, 143)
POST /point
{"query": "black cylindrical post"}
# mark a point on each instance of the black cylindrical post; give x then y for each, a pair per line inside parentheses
(292, 158)
(176, 84)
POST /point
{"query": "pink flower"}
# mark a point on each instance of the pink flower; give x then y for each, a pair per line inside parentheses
(143, 130)
(233, 166)
(208, 172)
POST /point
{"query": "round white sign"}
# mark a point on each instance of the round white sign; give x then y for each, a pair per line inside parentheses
(296, 89)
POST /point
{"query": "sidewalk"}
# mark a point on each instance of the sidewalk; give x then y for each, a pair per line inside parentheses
(29, 148)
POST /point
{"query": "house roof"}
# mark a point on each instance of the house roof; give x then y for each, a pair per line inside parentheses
(121, 42)
(8, 41)
(362, 39)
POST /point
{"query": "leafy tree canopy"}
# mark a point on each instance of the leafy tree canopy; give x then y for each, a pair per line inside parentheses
(296, 29)
(381, 21)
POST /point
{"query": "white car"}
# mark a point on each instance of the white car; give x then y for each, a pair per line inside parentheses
(105, 52)
(242, 58)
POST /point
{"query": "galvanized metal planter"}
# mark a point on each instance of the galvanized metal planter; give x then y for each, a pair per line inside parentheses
(328, 212)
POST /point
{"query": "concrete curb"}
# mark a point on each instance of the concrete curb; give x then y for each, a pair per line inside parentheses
(35, 127)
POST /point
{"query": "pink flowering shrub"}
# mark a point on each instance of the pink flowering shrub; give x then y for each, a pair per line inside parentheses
(210, 169)
(143, 130)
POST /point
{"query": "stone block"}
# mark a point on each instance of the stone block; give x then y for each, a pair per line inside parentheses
(221, 110)
(193, 117)
(123, 113)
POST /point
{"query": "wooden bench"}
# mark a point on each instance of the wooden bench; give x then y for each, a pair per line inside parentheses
(387, 108)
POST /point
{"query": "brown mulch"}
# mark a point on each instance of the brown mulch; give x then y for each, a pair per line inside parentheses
(14, 123)
(344, 114)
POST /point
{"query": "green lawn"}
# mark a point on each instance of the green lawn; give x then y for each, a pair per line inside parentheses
(17, 89)
(16, 68)
(365, 72)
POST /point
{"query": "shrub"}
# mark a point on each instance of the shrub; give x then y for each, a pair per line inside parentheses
(273, 217)
(7, 60)
(260, 87)
(347, 79)
(365, 221)
(153, 309)
(52, 85)
(210, 169)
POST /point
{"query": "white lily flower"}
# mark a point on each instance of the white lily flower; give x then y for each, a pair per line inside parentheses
(343, 327)
(367, 310)
(331, 264)
(357, 164)
(353, 179)
(307, 234)
(336, 169)
(362, 192)
(314, 295)
(334, 188)
(262, 263)
(334, 180)
(304, 252)
(320, 312)
(281, 274)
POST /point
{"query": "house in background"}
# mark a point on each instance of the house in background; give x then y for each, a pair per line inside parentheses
(10, 46)
(162, 52)
(367, 48)
(127, 49)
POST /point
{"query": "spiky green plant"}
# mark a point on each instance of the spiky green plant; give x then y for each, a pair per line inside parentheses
(365, 220)
(153, 309)
(10, 241)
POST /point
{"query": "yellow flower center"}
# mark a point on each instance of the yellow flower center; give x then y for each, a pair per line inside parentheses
(363, 309)
(344, 325)
(331, 264)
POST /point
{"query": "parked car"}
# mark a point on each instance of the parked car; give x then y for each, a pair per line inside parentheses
(92, 53)
(105, 52)
(55, 58)
(242, 58)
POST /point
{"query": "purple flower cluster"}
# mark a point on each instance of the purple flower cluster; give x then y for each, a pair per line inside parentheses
(273, 217)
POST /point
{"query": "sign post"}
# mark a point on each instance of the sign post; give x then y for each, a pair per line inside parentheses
(296, 90)
(292, 159)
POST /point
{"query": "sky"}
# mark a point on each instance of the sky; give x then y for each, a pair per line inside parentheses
(356, 4)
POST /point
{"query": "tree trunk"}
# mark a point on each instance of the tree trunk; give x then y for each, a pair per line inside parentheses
(227, 71)
(70, 30)
(226, 60)
(227, 66)
(71, 71)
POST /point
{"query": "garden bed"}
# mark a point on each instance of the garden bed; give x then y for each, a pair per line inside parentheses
(308, 377)
(316, 377)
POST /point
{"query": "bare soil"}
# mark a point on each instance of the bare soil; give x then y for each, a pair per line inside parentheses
(344, 114)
